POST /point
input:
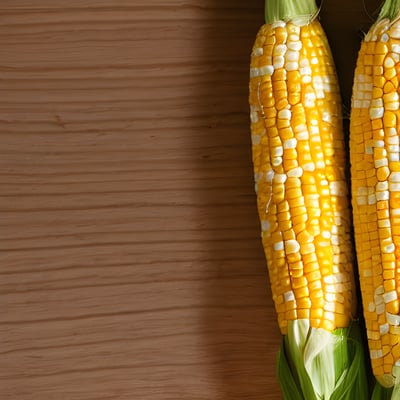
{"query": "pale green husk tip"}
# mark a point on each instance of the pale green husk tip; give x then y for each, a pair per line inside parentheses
(302, 11)
(390, 9)
(314, 364)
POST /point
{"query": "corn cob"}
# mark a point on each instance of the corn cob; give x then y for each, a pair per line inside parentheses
(375, 189)
(299, 164)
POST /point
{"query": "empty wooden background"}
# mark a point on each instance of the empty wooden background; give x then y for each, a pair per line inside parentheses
(131, 265)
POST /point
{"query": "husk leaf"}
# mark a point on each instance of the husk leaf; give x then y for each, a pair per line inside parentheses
(390, 9)
(290, 10)
(314, 364)
(381, 393)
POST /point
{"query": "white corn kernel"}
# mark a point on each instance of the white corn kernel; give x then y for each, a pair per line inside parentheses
(292, 55)
(279, 50)
(292, 246)
(290, 143)
(295, 172)
(265, 225)
(280, 178)
(309, 167)
(380, 308)
(382, 162)
(269, 175)
(284, 114)
(376, 112)
(295, 45)
(389, 62)
(258, 51)
(395, 30)
(381, 186)
(338, 188)
(276, 161)
(278, 62)
(330, 307)
(292, 66)
(374, 354)
(394, 177)
(390, 296)
(371, 199)
(289, 296)
(254, 117)
(258, 176)
(394, 187)
(389, 248)
(305, 70)
(278, 24)
(277, 151)
(384, 328)
(393, 319)
(266, 70)
(380, 196)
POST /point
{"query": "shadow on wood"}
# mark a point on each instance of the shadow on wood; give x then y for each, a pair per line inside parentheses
(239, 319)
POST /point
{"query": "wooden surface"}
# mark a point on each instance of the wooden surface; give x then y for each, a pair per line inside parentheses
(131, 265)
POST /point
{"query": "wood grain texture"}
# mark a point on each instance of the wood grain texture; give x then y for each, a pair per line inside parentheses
(131, 264)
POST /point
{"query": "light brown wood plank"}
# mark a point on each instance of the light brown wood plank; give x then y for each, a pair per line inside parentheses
(130, 258)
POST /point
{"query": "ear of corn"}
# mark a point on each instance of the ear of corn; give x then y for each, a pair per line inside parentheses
(299, 165)
(375, 177)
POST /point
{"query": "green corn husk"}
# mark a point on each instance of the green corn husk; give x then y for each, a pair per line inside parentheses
(290, 10)
(314, 364)
(381, 393)
(390, 9)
